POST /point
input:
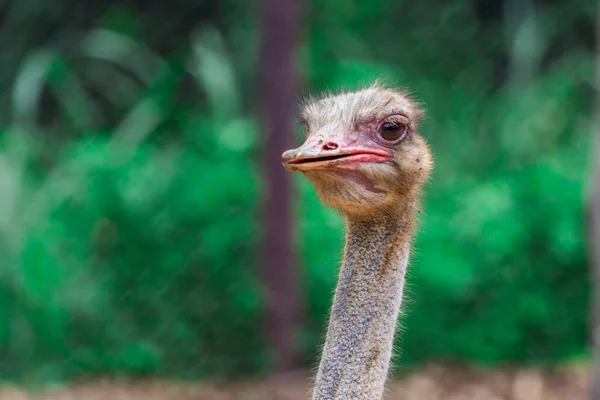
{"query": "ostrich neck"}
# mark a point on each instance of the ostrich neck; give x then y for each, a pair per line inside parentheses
(360, 337)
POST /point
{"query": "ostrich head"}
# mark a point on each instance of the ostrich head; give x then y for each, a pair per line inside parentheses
(362, 151)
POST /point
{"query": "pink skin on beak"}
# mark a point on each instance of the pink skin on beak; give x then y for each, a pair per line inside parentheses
(319, 154)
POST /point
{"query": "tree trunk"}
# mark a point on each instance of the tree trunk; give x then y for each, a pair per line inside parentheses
(277, 88)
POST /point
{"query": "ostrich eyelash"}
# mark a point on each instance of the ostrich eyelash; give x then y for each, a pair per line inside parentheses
(397, 118)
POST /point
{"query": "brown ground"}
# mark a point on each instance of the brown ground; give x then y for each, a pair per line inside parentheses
(439, 383)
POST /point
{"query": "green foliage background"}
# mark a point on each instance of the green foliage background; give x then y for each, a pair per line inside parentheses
(130, 181)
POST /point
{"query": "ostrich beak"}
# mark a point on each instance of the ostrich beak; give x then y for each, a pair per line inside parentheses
(319, 154)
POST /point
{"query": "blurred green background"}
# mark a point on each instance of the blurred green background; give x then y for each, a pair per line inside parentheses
(131, 181)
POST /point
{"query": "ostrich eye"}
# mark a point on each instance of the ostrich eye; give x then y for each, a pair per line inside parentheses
(392, 131)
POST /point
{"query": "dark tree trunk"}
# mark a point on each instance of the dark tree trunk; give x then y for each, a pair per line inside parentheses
(595, 230)
(277, 88)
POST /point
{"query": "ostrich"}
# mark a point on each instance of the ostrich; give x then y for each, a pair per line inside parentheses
(365, 159)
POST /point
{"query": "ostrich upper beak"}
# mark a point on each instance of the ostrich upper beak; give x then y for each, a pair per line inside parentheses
(318, 154)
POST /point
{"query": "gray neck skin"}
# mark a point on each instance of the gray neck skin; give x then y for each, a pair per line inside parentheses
(365, 308)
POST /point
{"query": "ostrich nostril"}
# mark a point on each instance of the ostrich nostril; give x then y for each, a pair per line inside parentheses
(330, 146)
